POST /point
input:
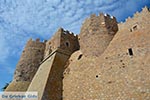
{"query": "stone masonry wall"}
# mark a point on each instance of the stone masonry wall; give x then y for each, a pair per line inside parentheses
(53, 43)
(50, 72)
(69, 41)
(29, 61)
(62, 39)
(117, 74)
(138, 21)
(96, 34)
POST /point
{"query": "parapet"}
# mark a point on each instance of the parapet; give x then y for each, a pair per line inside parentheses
(144, 11)
(139, 19)
(35, 43)
(69, 41)
(103, 23)
(36, 40)
(69, 34)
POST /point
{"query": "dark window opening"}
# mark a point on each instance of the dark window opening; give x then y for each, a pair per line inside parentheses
(135, 27)
(130, 51)
(80, 56)
(67, 44)
(130, 30)
(96, 76)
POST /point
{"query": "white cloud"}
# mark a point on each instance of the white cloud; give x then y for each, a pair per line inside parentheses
(4, 50)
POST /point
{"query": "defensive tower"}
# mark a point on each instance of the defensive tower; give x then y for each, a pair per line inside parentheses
(63, 40)
(29, 62)
(50, 73)
(96, 34)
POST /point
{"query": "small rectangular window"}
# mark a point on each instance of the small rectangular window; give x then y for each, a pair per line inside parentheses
(130, 51)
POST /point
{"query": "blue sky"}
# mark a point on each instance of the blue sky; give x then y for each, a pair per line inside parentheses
(23, 19)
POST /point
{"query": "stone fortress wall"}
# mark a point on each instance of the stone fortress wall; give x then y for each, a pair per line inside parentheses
(36, 52)
(122, 70)
(29, 61)
(96, 33)
(64, 40)
(62, 45)
(138, 21)
(103, 62)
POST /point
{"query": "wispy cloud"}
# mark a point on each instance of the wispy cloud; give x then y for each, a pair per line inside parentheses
(7, 70)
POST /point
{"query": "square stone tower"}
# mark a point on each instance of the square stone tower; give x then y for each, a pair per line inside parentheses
(50, 73)
(97, 32)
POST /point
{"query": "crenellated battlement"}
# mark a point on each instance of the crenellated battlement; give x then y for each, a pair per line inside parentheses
(108, 16)
(102, 23)
(137, 19)
(35, 44)
(100, 15)
(62, 39)
(70, 34)
(37, 40)
(97, 29)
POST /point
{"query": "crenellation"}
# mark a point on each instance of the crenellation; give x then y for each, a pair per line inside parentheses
(138, 16)
(112, 17)
(101, 14)
(37, 40)
(66, 31)
(105, 14)
(108, 15)
(44, 41)
(145, 9)
(128, 19)
(62, 39)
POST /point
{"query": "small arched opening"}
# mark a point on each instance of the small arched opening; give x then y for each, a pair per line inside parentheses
(67, 44)
(80, 56)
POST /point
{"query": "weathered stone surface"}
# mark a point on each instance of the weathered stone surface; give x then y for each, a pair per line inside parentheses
(96, 34)
(112, 62)
(64, 40)
(28, 65)
(18, 86)
(52, 68)
(30, 60)
(115, 75)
